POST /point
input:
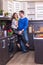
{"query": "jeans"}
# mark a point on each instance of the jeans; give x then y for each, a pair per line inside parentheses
(23, 39)
(15, 31)
(25, 36)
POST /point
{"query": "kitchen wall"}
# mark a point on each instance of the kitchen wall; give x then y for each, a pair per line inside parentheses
(1, 4)
(28, 7)
(31, 7)
(33, 10)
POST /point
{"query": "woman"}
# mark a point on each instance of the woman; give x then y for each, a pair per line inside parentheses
(14, 24)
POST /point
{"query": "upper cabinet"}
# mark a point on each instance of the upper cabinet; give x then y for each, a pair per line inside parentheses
(39, 10)
(7, 6)
(28, 7)
(31, 10)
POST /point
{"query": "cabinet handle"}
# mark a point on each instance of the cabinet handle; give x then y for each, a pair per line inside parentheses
(8, 38)
(3, 44)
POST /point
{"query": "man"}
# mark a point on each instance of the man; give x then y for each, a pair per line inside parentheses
(22, 28)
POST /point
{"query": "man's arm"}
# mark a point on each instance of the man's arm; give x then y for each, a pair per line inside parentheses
(25, 24)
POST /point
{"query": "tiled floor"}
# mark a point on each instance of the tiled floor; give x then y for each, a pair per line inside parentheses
(23, 59)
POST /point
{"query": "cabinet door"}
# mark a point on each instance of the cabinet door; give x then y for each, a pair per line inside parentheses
(38, 45)
(31, 41)
(5, 50)
(12, 45)
(15, 46)
(14, 41)
(1, 58)
(1, 54)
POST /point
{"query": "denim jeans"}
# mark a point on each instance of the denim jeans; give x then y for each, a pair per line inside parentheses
(23, 39)
(25, 36)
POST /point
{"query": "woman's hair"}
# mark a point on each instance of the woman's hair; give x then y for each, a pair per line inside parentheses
(13, 16)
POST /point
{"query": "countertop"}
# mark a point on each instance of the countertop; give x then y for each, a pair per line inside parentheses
(38, 38)
(5, 18)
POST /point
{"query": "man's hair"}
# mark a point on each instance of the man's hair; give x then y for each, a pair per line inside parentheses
(21, 11)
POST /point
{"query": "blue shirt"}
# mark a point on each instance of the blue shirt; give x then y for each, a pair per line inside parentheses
(23, 24)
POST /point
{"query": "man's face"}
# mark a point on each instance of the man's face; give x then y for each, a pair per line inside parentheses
(21, 14)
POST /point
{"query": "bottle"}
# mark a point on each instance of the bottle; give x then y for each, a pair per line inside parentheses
(5, 33)
(30, 29)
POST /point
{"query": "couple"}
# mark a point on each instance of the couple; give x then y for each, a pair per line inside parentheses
(21, 26)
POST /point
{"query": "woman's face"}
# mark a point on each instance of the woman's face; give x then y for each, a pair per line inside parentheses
(15, 16)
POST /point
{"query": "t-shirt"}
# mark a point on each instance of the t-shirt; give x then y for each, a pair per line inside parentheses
(14, 24)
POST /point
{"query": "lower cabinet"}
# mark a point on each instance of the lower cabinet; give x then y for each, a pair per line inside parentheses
(38, 44)
(4, 50)
(2, 62)
(7, 49)
(11, 47)
(31, 41)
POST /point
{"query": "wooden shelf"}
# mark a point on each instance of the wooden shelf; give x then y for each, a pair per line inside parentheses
(5, 18)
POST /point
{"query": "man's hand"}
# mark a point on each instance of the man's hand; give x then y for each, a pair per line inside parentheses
(20, 32)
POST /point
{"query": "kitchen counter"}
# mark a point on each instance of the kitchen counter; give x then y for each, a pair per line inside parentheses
(5, 18)
(37, 38)
(3, 37)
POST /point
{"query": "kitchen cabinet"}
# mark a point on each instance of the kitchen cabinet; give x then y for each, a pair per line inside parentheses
(2, 62)
(7, 44)
(38, 45)
(7, 48)
(37, 27)
(30, 32)
(12, 48)
(31, 42)
(4, 49)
